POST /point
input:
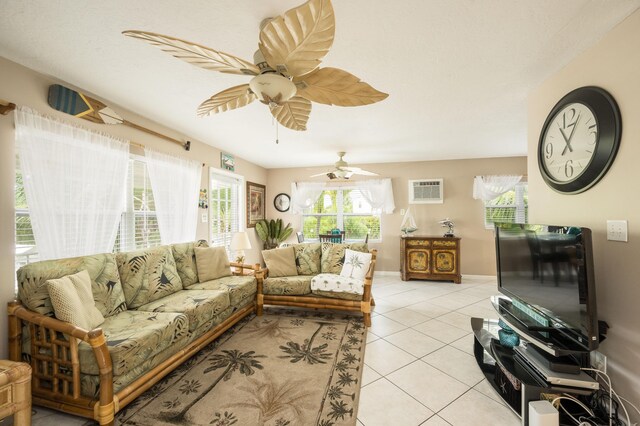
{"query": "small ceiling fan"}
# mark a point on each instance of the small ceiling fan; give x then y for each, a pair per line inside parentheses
(343, 171)
(286, 73)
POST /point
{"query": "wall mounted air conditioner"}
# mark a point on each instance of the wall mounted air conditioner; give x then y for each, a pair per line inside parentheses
(426, 191)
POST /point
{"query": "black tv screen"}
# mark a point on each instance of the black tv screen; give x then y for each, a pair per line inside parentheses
(547, 271)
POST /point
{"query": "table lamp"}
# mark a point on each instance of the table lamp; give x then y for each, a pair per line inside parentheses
(239, 243)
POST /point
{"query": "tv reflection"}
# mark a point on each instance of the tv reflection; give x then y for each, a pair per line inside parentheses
(555, 279)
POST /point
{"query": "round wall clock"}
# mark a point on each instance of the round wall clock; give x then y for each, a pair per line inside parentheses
(282, 202)
(579, 140)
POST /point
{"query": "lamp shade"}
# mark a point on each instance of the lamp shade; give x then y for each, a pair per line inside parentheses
(240, 241)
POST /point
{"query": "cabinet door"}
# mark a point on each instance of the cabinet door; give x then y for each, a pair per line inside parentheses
(444, 261)
(418, 260)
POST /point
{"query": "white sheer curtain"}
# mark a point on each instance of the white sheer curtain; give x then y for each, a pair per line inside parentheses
(74, 180)
(487, 188)
(378, 193)
(304, 195)
(175, 182)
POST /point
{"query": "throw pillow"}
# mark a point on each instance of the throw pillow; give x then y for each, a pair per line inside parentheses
(308, 257)
(356, 264)
(281, 262)
(73, 302)
(211, 263)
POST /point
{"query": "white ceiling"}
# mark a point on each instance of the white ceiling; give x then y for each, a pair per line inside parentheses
(457, 71)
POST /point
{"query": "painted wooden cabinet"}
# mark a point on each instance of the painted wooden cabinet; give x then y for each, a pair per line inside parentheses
(430, 258)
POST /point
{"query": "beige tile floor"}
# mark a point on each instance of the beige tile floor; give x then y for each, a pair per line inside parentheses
(419, 365)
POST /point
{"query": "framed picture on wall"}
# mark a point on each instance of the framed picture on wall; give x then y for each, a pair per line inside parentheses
(255, 203)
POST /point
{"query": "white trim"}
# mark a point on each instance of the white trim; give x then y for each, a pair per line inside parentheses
(395, 274)
(242, 222)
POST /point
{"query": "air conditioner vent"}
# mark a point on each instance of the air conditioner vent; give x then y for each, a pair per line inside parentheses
(426, 191)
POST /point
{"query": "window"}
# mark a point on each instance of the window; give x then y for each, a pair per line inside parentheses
(26, 250)
(225, 207)
(343, 208)
(139, 225)
(510, 207)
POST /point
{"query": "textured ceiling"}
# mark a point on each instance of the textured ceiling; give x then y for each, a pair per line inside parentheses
(457, 71)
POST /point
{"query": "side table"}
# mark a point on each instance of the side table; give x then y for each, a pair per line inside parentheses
(15, 392)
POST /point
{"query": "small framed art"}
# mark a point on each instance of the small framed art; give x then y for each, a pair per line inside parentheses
(227, 162)
(255, 203)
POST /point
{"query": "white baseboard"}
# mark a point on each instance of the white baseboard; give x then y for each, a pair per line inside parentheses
(479, 277)
(395, 274)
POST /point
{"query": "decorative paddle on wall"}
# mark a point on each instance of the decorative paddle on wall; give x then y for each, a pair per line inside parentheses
(82, 106)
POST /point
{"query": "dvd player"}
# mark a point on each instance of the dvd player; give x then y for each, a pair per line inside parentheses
(535, 360)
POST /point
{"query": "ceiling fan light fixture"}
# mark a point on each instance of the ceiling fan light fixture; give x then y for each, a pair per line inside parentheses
(272, 88)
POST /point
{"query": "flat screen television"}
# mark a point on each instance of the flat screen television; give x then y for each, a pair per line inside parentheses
(547, 274)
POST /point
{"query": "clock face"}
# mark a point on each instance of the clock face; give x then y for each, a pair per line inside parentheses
(282, 202)
(570, 142)
(579, 140)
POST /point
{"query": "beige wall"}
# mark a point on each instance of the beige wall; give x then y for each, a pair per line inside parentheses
(478, 252)
(613, 64)
(23, 86)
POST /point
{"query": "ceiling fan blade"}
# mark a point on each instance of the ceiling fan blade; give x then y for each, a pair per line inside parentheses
(320, 174)
(195, 54)
(293, 114)
(300, 38)
(358, 171)
(232, 98)
(333, 86)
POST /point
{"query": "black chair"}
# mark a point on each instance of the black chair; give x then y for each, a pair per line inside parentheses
(300, 236)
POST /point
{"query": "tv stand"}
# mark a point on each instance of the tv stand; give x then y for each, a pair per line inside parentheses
(514, 381)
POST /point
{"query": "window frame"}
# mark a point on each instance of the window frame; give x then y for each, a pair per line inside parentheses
(127, 225)
(340, 215)
(519, 206)
(241, 202)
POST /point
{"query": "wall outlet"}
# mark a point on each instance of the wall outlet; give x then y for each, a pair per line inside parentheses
(402, 212)
(205, 218)
(598, 361)
(617, 230)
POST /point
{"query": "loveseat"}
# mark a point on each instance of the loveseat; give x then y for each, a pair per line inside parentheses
(314, 280)
(156, 311)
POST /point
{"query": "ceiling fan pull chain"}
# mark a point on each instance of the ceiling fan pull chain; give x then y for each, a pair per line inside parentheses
(277, 136)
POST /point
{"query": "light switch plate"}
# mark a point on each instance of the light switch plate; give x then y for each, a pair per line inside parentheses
(617, 230)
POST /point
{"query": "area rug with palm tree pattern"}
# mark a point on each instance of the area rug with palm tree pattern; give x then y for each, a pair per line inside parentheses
(285, 368)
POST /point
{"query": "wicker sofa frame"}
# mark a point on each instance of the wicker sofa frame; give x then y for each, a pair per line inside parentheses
(320, 302)
(56, 367)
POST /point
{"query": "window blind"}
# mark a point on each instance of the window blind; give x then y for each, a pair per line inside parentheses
(139, 225)
(224, 207)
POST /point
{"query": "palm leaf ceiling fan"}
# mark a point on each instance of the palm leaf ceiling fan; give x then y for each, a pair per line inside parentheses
(286, 73)
(343, 171)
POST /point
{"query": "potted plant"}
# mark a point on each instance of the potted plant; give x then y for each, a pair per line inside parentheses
(272, 232)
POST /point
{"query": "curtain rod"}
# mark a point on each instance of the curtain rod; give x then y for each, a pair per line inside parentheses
(6, 107)
(139, 145)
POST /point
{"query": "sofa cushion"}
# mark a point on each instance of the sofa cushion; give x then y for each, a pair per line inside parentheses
(294, 286)
(238, 286)
(105, 282)
(133, 337)
(198, 305)
(308, 257)
(73, 302)
(148, 275)
(212, 262)
(356, 264)
(337, 295)
(281, 262)
(336, 284)
(333, 255)
(185, 258)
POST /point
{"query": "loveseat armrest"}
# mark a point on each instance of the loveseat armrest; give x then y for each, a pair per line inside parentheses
(368, 278)
(244, 268)
(54, 359)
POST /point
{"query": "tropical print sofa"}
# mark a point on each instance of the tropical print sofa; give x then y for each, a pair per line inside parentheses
(156, 315)
(318, 264)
